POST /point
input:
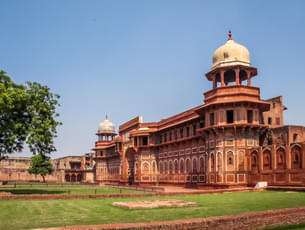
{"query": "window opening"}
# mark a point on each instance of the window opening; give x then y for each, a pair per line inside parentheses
(181, 133)
(250, 116)
(230, 161)
(230, 116)
(187, 131)
(202, 122)
(278, 121)
(145, 140)
(211, 118)
(194, 130)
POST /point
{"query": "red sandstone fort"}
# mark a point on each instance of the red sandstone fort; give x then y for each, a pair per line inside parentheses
(234, 138)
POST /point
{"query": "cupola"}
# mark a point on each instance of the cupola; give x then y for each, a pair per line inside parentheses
(230, 54)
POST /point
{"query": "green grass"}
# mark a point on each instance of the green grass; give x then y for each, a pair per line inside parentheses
(289, 227)
(73, 190)
(41, 183)
(22, 214)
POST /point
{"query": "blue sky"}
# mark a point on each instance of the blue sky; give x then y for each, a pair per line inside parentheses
(128, 58)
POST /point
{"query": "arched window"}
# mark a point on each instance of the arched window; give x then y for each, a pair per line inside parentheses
(165, 167)
(202, 165)
(161, 167)
(194, 165)
(254, 161)
(181, 166)
(267, 159)
(171, 167)
(296, 157)
(145, 168)
(176, 167)
(280, 158)
(230, 161)
(188, 166)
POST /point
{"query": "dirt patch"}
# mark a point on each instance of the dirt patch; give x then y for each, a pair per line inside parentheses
(154, 204)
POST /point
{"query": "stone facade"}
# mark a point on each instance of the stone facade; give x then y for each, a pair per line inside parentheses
(66, 169)
(235, 138)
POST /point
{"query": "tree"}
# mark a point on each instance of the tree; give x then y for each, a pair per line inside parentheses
(40, 165)
(27, 115)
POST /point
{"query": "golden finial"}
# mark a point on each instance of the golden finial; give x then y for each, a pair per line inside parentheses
(230, 35)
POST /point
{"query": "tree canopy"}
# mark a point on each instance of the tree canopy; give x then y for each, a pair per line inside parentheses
(27, 115)
(40, 165)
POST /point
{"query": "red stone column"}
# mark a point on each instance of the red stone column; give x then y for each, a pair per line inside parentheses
(249, 77)
(303, 155)
(222, 78)
(288, 157)
(237, 76)
(260, 160)
(214, 82)
(273, 157)
(124, 165)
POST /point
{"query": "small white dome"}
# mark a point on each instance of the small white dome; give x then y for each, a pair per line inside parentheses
(106, 126)
(230, 54)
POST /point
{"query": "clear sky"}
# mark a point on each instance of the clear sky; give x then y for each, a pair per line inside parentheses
(128, 58)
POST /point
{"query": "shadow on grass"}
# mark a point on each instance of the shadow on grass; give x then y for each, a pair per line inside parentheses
(293, 226)
(31, 191)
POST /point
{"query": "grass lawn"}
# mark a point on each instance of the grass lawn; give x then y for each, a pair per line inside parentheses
(289, 227)
(22, 214)
(73, 190)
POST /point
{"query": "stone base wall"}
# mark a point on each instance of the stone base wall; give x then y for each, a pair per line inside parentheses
(247, 221)
(22, 175)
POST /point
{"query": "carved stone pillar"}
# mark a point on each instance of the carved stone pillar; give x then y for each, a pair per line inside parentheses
(214, 82)
(288, 157)
(260, 160)
(237, 76)
(249, 78)
(222, 78)
(273, 156)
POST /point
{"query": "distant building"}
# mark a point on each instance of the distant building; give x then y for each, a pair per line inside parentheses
(66, 169)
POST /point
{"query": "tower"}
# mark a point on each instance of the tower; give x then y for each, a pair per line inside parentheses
(231, 119)
(106, 131)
